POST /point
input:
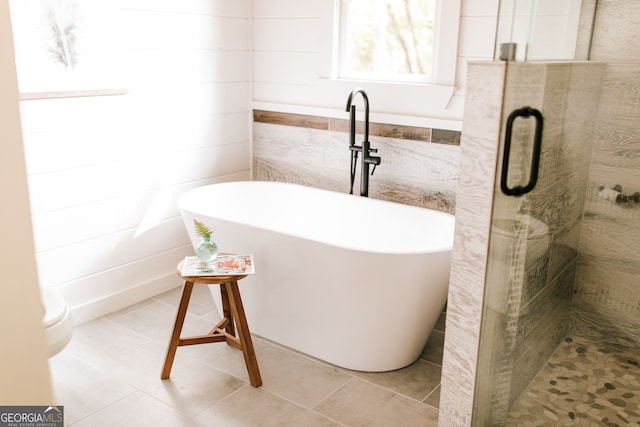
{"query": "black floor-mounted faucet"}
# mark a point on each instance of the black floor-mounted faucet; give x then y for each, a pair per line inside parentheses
(365, 148)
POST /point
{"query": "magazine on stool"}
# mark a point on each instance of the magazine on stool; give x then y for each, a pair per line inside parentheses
(223, 265)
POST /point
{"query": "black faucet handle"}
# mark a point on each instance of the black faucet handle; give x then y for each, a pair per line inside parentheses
(373, 160)
(373, 150)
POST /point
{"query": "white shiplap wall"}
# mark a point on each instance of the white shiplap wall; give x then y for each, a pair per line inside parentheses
(104, 172)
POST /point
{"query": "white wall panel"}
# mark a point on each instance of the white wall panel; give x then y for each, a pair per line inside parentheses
(235, 8)
(207, 130)
(283, 93)
(171, 30)
(140, 211)
(172, 66)
(293, 35)
(85, 258)
(480, 7)
(88, 309)
(104, 173)
(72, 114)
(107, 216)
(61, 150)
(190, 99)
(75, 186)
(477, 36)
(294, 68)
(288, 8)
(84, 289)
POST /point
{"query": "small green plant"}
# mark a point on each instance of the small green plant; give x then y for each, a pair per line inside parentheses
(202, 230)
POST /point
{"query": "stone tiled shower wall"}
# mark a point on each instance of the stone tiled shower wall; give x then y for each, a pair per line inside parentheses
(607, 286)
(479, 146)
(419, 166)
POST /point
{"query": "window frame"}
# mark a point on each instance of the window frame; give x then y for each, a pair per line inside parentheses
(444, 53)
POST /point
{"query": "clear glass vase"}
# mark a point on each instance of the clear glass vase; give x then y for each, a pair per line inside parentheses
(207, 250)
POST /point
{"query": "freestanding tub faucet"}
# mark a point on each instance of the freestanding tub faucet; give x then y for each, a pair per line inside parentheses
(365, 148)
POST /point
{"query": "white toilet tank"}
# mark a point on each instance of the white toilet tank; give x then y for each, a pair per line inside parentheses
(57, 320)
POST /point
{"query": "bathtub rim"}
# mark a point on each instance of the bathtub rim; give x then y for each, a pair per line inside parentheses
(448, 219)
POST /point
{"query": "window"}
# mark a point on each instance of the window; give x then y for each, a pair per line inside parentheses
(390, 40)
(411, 41)
(427, 100)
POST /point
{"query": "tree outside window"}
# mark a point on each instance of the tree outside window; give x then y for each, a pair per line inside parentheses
(387, 39)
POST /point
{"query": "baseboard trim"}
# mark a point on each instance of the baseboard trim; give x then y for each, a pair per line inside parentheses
(117, 301)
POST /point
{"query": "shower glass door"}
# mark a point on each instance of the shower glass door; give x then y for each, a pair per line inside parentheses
(534, 234)
(534, 30)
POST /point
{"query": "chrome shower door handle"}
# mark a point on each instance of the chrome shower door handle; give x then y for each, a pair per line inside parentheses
(519, 190)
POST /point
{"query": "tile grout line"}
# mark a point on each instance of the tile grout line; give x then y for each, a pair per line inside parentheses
(351, 375)
(333, 392)
(135, 390)
(246, 384)
(311, 409)
(429, 394)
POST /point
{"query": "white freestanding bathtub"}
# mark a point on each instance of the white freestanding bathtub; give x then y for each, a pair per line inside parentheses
(354, 281)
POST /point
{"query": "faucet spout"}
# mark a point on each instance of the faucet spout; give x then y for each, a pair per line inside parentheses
(352, 108)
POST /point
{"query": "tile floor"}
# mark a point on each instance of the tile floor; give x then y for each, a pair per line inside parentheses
(109, 375)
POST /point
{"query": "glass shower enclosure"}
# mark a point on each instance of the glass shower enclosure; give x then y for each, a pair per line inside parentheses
(549, 121)
(528, 348)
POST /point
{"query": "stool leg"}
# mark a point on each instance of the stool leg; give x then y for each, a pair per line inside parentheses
(243, 331)
(177, 329)
(226, 310)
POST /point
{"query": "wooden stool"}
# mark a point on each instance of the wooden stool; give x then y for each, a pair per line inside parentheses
(224, 331)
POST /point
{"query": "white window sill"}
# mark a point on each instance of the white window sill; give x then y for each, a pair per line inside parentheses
(426, 105)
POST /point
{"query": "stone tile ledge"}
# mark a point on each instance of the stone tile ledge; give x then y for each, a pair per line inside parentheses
(436, 136)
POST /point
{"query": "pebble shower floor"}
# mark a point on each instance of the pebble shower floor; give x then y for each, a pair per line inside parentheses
(583, 383)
